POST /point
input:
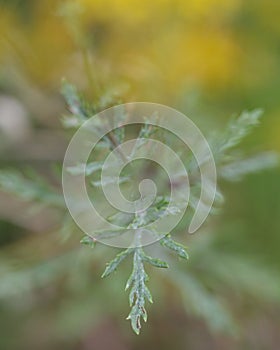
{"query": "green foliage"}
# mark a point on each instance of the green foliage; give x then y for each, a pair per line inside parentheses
(196, 296)
(236, 131)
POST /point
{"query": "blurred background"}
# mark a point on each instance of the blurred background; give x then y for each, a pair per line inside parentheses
(209, 59)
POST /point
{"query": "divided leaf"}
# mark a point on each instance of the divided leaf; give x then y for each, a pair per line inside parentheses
(139, 292)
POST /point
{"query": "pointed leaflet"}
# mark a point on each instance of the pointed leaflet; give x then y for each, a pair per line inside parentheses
(168, 242)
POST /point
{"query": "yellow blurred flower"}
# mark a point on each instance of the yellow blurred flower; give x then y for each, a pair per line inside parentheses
(161, 42)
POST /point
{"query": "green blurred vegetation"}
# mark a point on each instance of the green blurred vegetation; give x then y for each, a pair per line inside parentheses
(209, 59)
